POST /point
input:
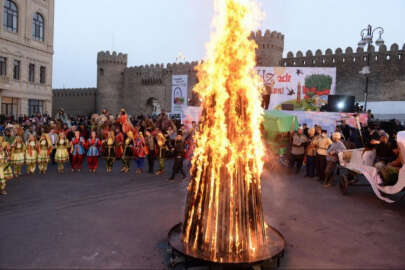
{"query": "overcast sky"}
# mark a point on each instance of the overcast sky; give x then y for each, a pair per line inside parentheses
(156, 31)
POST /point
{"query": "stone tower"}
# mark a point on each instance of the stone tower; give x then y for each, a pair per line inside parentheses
(110, 81)
(270, 48)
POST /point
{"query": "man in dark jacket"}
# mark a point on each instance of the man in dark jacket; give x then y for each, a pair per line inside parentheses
(178, 149)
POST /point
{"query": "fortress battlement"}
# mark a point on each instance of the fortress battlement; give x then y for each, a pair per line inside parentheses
(74, 91)
(114, 58)
(349, 56)
(268, 40)
(162, 68)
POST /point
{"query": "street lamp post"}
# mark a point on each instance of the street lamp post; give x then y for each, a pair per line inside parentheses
(367, 39)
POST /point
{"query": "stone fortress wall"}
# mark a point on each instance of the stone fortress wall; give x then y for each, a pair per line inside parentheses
(387, 67)
(119, 86)
(79, 101)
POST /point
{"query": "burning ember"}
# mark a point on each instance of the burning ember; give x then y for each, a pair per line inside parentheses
(224, 217)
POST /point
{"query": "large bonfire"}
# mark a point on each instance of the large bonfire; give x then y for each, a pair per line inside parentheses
(223, 216)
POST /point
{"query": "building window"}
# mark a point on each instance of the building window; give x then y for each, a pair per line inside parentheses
(16, 70)
(9, 106)
(101, 72)
(35, 106)
(42, 74)
(10, 16)
(31, 73)
(38, 27)
(3, 66)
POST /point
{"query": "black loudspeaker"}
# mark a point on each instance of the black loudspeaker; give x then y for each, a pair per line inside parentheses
(341, 103)
(287, 107)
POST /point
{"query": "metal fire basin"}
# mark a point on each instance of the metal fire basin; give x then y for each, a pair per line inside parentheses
(270, 258)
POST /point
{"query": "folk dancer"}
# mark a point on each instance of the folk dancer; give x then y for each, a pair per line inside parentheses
(125, 123)
(140, 152)
(128, 152)
(17, 155)
(151, 144)
(161, 145)
(45, 150)
(93, 153)
(62, 154)
(31, 154)
(8, 171)
(4, 169)
(119, 143)
(77, 151)
(109, 151)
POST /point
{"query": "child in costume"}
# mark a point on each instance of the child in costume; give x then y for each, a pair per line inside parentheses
(77, 150)
(62, 154)
(45, 149)
(109, 151)
(128, 152)
(17, 155)
(31, 155)
(140, 152)
(93, 146)
(8, 171)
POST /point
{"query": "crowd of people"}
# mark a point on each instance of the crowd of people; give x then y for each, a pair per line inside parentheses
(319, 152)
(35, 142)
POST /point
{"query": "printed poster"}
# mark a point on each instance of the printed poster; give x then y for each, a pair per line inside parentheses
(179, 92)
(297, 88)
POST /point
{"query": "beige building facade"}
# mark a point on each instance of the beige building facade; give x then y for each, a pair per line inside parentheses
(26, 56)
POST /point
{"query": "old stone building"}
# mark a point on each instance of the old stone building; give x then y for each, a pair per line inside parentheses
(135, 88)
(26, 56)
(387, 67)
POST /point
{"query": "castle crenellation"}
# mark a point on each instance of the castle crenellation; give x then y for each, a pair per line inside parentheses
(133, 87)
(358, 57)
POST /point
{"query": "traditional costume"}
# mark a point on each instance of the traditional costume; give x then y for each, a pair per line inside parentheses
(62, 154)
(119, 145)
(77, 150)
(140, 152)
(161, 143)
(45, 150)
(4, 166)
(109, 151)
(17, 155)
(31, 155)
(128, 152)
(125, 123)
(93, 145)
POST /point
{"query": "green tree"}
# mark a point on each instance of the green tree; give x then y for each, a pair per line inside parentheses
(319, 82)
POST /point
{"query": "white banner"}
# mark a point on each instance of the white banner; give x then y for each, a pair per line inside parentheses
(179, 92)
(297, 88)
(190, 114)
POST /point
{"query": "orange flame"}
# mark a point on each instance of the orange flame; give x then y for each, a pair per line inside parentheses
(228, 159)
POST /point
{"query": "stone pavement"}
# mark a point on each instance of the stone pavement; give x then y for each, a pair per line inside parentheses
(121, 221)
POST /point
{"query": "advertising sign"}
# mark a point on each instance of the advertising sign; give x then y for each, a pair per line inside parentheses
(297, 88)
(179, 92)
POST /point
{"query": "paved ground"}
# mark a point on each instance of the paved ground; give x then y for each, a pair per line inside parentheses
(121, 221)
